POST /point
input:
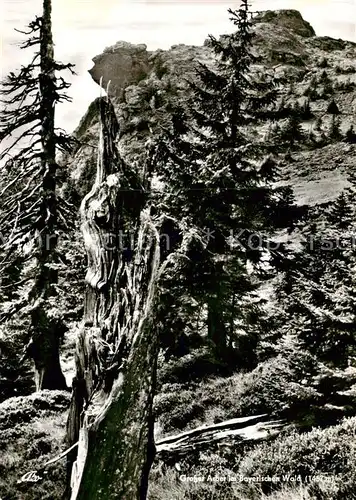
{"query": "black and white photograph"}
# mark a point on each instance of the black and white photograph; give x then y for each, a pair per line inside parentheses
(178, 250)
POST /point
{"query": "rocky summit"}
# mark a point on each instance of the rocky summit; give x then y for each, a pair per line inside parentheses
(144, 85)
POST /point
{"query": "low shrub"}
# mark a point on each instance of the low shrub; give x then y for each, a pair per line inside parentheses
(317, 465)
(280, 386)
(197, 365)
(345, 70)
(327, 452)
(32, 432)
(178, 408)
(170, 486)
(16, 377)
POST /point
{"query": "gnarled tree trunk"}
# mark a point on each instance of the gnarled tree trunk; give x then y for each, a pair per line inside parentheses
(46, 332)
(116, 356)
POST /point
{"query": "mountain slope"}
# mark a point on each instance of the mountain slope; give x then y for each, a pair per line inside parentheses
(146, 85)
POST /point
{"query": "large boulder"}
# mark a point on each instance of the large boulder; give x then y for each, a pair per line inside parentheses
(123, 64)
(290, 19)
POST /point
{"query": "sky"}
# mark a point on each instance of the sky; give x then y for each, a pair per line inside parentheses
(83, 28)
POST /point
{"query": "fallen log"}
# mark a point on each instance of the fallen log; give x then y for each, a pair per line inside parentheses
(245, 429)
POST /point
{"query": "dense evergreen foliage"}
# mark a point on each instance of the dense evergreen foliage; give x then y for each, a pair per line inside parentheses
(317, 292)
(218, 174)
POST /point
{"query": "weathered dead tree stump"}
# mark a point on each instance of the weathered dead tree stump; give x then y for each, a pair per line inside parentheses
(116, 355)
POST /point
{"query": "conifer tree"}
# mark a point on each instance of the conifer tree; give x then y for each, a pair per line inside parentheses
(314, 95)
(335, 131)
(318, 289)
(340, 213)
(297, 109)
(323, 63)
(324, 77)
(350, 135)
(32, 213)
(292, 132)
(333, 108)
(318, 123)
(283, 109)
(312, 138)
(306, 112)
(216, 176)
(291, 89)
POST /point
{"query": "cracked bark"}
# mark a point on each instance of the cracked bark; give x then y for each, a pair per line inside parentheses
(116, 355)
(46, 333)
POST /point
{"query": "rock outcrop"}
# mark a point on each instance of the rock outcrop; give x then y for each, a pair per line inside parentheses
(122, 64)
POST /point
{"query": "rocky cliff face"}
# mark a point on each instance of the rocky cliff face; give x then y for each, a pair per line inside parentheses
(145, 85)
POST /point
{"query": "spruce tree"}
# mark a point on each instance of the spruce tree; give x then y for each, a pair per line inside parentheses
(312, 138)
(32, 213)
(317, 294)
(340, 213)
(306, 112)
(323, 63)
(216, 177)
(324, 77)
(314, 95)
(350, 135)
(334, 130)
(292, 132)
(297, 109)
(333, 108)
(318, 123)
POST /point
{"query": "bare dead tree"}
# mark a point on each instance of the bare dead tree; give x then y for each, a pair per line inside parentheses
(116, 355)
(31, 211)
(111, 411)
